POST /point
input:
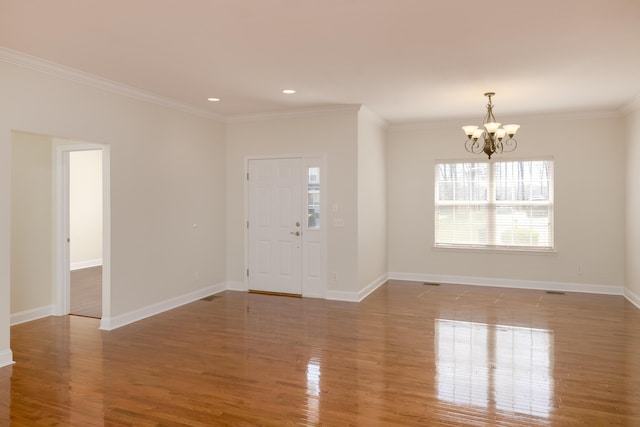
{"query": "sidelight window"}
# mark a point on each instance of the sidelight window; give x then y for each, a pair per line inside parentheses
(313, 197)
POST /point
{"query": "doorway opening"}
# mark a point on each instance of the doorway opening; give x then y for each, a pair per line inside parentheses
(82, 264)
(85, 233)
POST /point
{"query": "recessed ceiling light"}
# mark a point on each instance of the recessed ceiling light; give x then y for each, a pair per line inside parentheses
(213, 99)
(288, 91)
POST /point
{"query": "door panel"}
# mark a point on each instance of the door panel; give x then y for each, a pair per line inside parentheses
(275, 216)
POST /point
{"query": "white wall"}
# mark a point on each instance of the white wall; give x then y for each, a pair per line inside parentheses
(589, 203)
(333, 133)
(372, 201)
(167, 173)
(632, 264)
(85, 208)
(31, 222)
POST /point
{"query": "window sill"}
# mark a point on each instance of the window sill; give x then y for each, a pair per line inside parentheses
(499, 250)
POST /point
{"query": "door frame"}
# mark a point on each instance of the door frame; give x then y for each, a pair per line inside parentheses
(62, 149)
(312, 290)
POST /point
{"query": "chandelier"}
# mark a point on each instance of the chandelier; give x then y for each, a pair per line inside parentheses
(491, 139)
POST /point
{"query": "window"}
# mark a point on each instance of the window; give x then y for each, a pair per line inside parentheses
(498, 204)
(313, 198)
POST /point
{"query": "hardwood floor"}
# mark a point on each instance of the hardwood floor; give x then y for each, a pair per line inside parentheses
(409, 355)
(86, 292)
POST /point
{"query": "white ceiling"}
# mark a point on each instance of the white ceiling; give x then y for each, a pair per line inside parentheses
(407, 60)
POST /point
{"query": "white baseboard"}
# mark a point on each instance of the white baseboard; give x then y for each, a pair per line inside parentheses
(373, 286)
(6, 358)
(236, 286)
(33, 314)
(509, 283)
(632, 297)
(346, 296)
(313, 295)
(109, 324)
(357, 296)
(85, 264)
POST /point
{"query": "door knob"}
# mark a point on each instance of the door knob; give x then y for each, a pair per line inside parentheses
(295, 233)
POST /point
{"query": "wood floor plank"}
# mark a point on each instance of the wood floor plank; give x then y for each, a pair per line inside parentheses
(409, 355)
(86, 292)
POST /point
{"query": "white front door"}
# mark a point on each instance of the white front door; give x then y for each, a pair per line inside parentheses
(275, 225)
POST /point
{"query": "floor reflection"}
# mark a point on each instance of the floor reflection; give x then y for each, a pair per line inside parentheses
(506, 368)
(313, 390)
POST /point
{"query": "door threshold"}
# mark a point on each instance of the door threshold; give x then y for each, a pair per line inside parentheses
(88, 316)
(278, 294)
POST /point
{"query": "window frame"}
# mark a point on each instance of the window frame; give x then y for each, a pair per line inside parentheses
(492, 206)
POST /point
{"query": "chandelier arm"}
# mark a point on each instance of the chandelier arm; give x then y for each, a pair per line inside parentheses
(510, 144)
(472, 146)
(499, 147)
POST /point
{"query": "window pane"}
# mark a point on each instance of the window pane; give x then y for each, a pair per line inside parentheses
(461, 225)
(462, 181)
(523, 225)
(313, 198)
(522, 180)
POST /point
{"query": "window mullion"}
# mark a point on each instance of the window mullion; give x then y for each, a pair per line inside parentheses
(491, 206)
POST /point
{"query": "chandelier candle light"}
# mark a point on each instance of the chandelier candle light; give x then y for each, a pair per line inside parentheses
(493, 135)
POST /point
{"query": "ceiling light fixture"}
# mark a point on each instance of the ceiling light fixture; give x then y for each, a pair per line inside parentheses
(288, 91)
(213, 99)
(492, 136)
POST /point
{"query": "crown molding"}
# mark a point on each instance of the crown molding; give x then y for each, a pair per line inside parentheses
(545, 117)
(300, 112)
(373, 117)
(57, 70)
